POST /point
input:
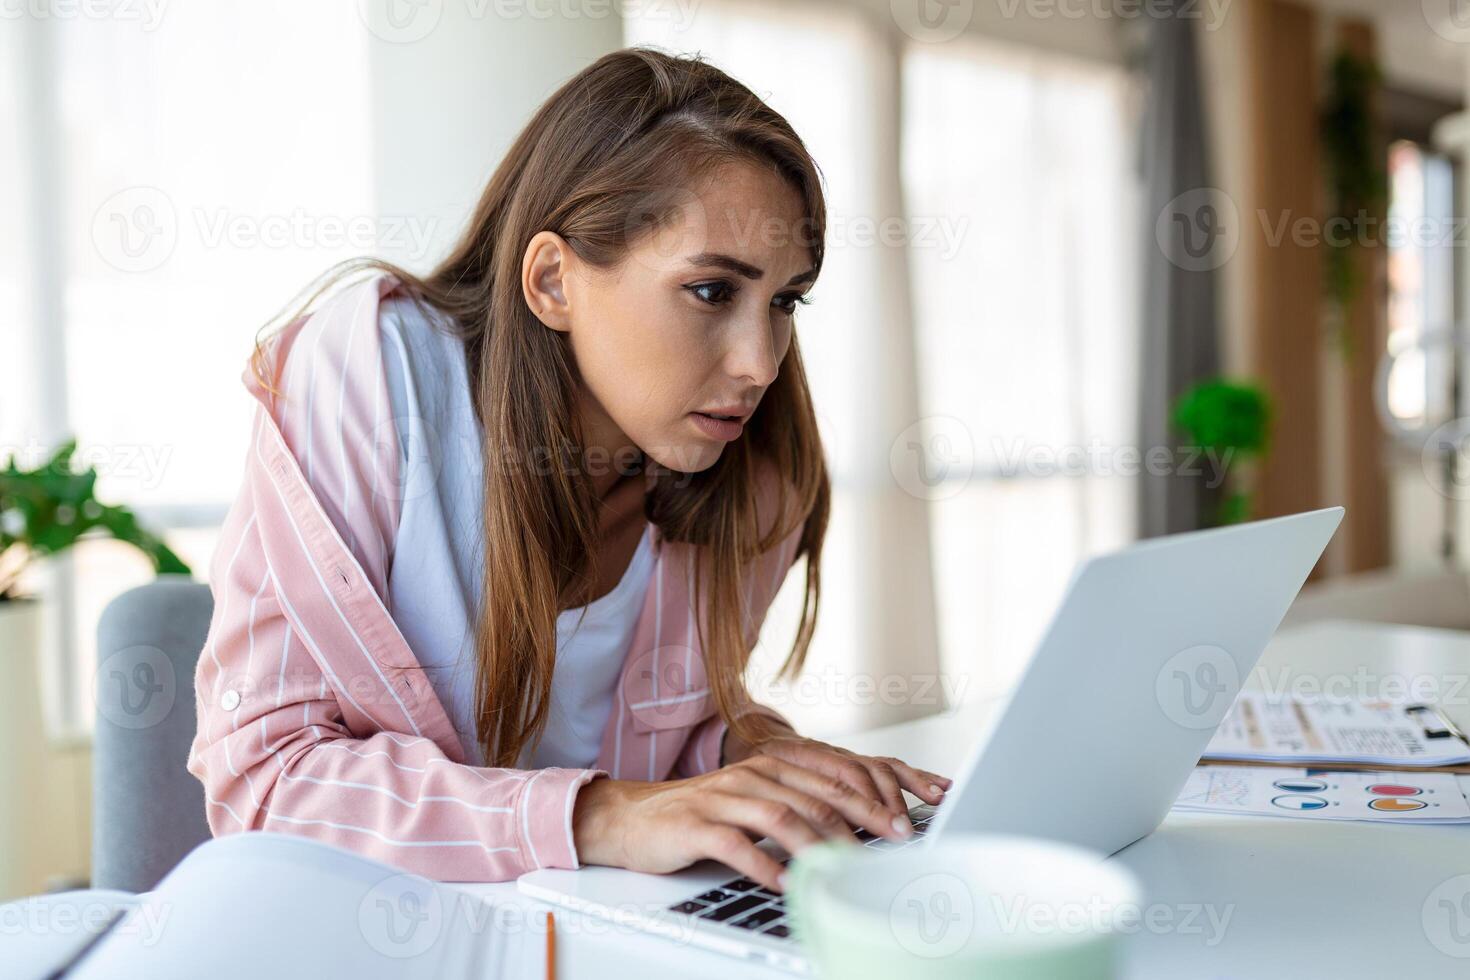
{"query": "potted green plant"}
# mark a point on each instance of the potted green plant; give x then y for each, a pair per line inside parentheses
(46, 510)
(43, 511)
(1232, 420)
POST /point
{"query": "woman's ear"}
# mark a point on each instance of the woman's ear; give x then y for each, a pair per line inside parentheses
(543, 270)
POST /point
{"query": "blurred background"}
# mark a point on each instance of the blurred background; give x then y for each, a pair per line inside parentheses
(1097, 270)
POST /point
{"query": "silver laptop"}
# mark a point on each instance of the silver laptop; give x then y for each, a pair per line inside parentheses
(1142, 659)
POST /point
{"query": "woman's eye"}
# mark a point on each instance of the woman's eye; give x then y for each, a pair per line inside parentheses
(788, 302)
(720, 292)
(712, 292)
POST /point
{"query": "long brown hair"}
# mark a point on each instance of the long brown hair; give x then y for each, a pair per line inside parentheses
(605, 161)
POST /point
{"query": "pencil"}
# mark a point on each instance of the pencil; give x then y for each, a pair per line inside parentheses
(550, 946)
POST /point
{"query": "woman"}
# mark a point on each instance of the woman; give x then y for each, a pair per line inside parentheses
(485, 600)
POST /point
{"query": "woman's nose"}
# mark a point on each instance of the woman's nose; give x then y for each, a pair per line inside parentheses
(753, 356)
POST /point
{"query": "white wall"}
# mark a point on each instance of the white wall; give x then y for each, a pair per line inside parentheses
(452, 87)
(1416, 48)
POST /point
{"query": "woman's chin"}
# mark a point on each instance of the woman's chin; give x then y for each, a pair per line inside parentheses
(688, 457)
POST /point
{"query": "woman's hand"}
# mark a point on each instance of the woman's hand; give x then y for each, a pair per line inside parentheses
(877, 778)
(664, 826)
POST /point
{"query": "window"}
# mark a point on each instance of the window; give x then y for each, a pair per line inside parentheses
(177, 189)
(1026, 335)
(1425, 357)
(1421, 313)
(184, 148)
(1018, 214)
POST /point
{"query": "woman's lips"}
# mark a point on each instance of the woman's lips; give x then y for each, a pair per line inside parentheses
(723, 429)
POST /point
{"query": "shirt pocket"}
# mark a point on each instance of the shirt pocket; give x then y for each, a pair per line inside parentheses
(667, 688)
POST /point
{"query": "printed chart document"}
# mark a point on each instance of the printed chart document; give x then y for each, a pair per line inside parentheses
(1273, 728)
(1318, 794)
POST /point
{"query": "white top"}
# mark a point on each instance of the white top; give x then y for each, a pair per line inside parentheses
(434, 583)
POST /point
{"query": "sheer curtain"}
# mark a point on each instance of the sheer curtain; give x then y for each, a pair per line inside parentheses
(183, 147)
(874, 658)
(1026, 327)
(972, 322)
(206, 161)
(971, 343)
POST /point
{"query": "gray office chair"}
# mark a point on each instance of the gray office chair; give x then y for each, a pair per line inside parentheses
(147, 809)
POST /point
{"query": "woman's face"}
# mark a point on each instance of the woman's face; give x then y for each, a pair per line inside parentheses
(696, 318)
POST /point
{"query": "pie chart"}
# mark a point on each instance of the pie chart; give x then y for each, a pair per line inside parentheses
(1396, 804)
(1393, 789)
(1302, 802)
(1301, 785)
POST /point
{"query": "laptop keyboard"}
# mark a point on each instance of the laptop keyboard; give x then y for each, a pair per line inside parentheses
(744, 904)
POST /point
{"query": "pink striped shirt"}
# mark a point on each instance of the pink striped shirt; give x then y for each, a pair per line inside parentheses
(314, 715)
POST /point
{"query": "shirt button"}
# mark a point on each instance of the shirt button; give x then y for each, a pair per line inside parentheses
(230, 701)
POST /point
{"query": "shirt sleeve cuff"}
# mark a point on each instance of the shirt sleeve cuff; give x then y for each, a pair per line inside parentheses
(545, 811)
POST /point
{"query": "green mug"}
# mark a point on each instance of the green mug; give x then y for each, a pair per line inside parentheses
(1000, 907)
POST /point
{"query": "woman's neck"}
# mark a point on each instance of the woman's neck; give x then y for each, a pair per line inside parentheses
(613, 460)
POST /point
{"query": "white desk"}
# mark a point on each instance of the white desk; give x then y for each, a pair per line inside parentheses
(1303, 899)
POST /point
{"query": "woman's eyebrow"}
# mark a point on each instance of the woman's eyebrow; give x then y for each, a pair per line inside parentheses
(744, 269)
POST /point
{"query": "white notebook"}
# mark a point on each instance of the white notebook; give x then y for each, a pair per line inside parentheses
(262, 905)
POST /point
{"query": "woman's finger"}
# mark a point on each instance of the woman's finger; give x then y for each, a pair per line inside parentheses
(831, 761)
(886, 779)
(732, 848)
(822, 816)
(763, 816)
(943, 782)
(856, 808)
(925, 785)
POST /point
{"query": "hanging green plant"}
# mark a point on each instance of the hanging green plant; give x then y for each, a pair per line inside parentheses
(1357, 179)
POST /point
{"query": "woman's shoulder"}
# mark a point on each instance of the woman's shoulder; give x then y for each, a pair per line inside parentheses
(414, 319)
(330, 409)
(330, 363)
(359, 329)
(419, 342)
(359, 371)
(423, 357)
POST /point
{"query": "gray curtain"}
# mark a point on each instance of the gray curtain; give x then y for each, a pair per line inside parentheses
(1179, 333)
